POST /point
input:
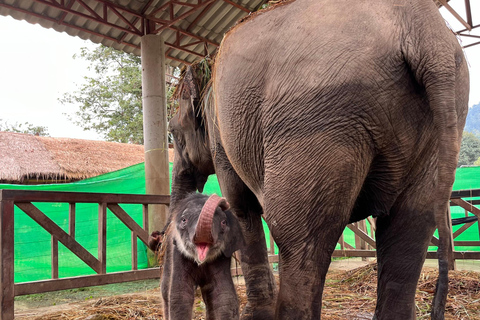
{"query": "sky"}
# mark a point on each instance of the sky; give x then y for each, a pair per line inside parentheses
(37, 67)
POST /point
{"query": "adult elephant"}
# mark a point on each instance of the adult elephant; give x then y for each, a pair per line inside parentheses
(327, 112)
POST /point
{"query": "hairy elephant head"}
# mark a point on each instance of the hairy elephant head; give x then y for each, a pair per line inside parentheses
(205, 228)
(193, 160)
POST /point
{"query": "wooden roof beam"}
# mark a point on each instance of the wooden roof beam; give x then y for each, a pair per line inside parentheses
(169, 23)
(468, 10)
(471, 45)
(455, 14)
(236, 5)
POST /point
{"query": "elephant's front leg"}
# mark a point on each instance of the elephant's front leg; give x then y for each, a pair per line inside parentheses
(259, 280)
(219, 292)
(179, 300)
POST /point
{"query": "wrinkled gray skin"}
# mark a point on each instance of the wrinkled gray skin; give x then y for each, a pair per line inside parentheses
(183, 270)
(327, 112)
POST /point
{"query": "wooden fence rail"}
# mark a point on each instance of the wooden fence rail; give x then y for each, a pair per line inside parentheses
(364, 245)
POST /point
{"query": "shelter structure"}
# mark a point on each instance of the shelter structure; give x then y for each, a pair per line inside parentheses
(174, 32)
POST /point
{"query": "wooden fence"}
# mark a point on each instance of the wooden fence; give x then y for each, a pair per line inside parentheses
(364, 245)
(23, 200)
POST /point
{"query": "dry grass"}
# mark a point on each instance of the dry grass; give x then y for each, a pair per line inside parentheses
(347, 295)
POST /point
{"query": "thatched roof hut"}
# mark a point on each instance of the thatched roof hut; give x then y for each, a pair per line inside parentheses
(28, 159)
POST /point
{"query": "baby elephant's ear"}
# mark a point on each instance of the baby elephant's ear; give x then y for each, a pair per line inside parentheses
(234, 239)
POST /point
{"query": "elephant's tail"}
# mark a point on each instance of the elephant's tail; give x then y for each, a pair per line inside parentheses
(438, 78)
(434, 65)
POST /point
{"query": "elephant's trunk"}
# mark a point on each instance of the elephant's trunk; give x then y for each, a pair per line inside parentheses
(203, 232)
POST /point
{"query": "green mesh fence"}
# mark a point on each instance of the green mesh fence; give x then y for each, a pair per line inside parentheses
(33, 243)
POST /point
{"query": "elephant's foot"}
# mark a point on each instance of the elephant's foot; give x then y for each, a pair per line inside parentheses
(259, 312)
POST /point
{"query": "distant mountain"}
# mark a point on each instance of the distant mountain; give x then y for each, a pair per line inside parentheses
(473, 120)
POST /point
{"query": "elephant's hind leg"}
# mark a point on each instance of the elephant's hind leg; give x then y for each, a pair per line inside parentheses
(307, 217)
(402, 241)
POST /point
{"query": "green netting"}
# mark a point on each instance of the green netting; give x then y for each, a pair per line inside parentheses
(33, 243)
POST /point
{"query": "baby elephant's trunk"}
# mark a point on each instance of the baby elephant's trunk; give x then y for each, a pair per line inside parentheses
(203, 232)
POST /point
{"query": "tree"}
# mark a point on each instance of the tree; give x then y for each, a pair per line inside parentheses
(24, 128)
(469, 149)
(472, 123)
(110, 102)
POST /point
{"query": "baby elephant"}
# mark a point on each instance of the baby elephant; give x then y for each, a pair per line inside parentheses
(200, 241)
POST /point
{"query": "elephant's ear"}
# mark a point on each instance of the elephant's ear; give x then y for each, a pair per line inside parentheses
(191, 92)
(234, 239)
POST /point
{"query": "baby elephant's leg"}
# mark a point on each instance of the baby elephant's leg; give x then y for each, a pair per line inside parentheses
(181, 286)
(219, 292)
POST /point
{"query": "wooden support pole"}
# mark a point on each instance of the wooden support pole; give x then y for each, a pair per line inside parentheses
(154, 101)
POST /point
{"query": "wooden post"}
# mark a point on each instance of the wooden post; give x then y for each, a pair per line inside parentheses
(7, 292)
(102, 237)
(71, 220)
(134, 251)
(452, 263)
(154, 102)
(54, 257)
(359, 242)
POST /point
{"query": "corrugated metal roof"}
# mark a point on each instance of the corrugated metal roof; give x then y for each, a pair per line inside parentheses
(190, 28)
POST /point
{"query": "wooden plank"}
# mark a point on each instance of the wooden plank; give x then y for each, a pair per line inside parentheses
(129, 222)
(145, 217)
(50, 226)
(362, 235)
(354, 253)
(54, 257)
(71, 219)
(6, 262)
(467, 206)
(84, 281)
(465, 194)
(462, 229)
(474, 202)
(458, 255)
(373, 225)
(81, 197)
(434, 241)
(272, 245)
(102, 236)
(341, 242)
(467, 243)
(134, 251)
(273, 258)
(347, 246)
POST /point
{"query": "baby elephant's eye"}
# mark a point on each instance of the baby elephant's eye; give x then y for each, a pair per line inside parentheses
(224, 223)
(183, 223)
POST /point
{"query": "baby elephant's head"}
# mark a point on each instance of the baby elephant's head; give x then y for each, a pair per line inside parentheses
(206, 229)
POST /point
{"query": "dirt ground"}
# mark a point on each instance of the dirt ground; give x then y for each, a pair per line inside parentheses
(350, 293)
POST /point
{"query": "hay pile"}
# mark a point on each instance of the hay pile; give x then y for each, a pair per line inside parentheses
(347, 295)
